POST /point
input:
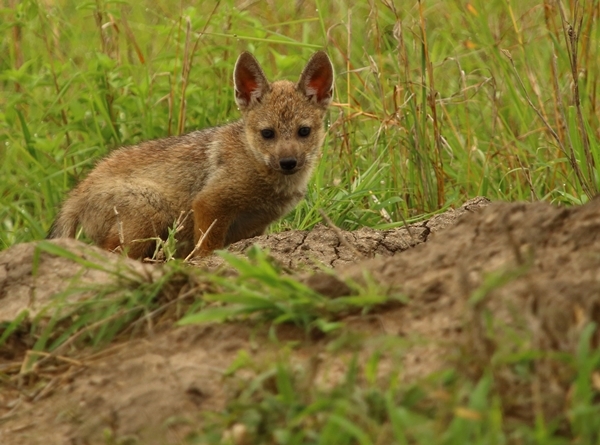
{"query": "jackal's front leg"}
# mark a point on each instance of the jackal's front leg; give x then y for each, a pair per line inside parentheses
(211, 223)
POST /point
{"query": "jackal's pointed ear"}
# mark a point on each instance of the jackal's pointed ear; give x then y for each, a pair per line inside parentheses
(249, 81)
(316, 80)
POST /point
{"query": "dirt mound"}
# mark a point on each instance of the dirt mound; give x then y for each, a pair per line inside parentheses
(330, 247)
(540, 258)
(32, 274)
(529, 269)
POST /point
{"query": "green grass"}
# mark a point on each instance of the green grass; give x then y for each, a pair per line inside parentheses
(260, 288)
(282, 403)
(435, 102)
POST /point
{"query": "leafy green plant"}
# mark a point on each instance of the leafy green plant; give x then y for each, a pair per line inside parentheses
(286, 404)
(261, 289)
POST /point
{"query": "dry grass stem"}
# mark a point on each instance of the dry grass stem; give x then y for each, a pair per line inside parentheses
(200, 241)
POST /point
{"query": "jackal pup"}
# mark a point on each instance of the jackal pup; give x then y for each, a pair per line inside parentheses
(241, 176)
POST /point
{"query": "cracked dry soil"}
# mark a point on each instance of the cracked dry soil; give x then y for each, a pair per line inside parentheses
(547, 259)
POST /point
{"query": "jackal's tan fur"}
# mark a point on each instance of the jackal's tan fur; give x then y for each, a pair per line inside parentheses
(243, 175)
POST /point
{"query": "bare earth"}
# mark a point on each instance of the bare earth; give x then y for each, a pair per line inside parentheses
(534, 267)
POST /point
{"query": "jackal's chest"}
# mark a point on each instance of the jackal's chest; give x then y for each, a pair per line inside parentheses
(253, 221)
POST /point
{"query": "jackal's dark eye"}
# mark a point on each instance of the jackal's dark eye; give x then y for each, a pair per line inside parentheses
(267, 133)
(303, 131)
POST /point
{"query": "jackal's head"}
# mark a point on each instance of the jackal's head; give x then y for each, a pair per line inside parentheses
(283, 120)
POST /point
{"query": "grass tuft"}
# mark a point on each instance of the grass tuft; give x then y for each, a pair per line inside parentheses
(260, 288)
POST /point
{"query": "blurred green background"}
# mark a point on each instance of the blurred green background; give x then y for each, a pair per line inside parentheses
(435, 102)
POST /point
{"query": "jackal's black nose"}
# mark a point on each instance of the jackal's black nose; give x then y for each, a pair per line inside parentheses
(288, 164)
